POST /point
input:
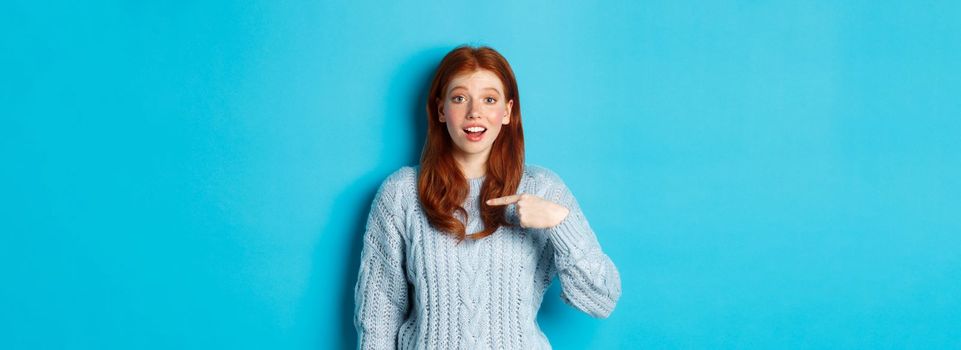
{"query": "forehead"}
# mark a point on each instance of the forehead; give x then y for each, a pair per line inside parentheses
(476, 80)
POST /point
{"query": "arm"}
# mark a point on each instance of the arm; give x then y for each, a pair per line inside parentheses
(381, 292)
(589, 279)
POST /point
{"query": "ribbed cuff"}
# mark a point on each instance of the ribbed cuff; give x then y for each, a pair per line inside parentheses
(570, 238)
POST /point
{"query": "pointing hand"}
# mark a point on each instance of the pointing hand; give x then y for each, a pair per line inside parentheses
(533, 211)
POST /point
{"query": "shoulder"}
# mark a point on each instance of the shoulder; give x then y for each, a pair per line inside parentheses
(399, 185)
(548, 184)
(406, 175)
(541, 174)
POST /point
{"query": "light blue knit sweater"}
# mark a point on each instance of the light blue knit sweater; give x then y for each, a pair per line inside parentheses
(418, 289)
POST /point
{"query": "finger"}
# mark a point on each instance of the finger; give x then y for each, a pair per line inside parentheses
(504, 200)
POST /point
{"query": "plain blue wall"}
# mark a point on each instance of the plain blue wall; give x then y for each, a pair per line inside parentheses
(198, 174)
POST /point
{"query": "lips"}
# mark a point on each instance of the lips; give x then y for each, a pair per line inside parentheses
(475, 132)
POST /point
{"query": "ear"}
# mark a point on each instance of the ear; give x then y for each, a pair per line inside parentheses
(507, 117)
(440, 110)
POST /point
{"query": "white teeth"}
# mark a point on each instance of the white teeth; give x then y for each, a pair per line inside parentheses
(475, 129)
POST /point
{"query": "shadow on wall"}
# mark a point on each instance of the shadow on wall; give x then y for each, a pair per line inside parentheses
(406, 92)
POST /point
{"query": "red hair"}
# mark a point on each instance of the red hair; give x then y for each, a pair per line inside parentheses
(442, 187)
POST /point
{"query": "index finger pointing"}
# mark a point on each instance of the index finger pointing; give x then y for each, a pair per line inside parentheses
(504, 200)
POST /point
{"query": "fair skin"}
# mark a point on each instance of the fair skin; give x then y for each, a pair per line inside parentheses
(475, 101)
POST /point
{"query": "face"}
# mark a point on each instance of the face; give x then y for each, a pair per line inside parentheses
(474, 108)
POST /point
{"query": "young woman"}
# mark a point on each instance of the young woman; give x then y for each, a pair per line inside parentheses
(459, 250)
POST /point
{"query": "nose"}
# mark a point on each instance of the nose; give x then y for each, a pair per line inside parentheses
(472, 113)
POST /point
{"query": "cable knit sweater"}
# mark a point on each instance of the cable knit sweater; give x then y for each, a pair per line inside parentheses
(418, 289)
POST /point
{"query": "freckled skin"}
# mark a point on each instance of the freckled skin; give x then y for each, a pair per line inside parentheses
(476, 97)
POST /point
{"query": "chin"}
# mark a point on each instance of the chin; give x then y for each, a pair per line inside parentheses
(474, 150)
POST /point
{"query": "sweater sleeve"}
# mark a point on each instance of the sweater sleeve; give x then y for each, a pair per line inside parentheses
(589, 279)
(380, 295)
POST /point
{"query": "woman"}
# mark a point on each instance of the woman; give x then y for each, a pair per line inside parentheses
(424, 282)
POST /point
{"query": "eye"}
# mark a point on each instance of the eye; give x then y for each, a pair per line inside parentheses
(490, 100)
(458, 99)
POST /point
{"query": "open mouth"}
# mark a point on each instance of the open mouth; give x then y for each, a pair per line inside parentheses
(475, 133)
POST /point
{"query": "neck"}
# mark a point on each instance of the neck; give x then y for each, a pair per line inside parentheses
(472, 165)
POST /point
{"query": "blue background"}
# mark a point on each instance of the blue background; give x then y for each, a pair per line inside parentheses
(198, 174)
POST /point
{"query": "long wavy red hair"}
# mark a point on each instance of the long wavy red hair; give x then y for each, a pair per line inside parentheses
(442, 187)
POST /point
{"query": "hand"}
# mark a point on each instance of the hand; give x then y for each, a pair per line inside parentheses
(533, 211)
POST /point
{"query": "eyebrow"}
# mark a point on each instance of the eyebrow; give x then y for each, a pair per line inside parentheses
(462, 87)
